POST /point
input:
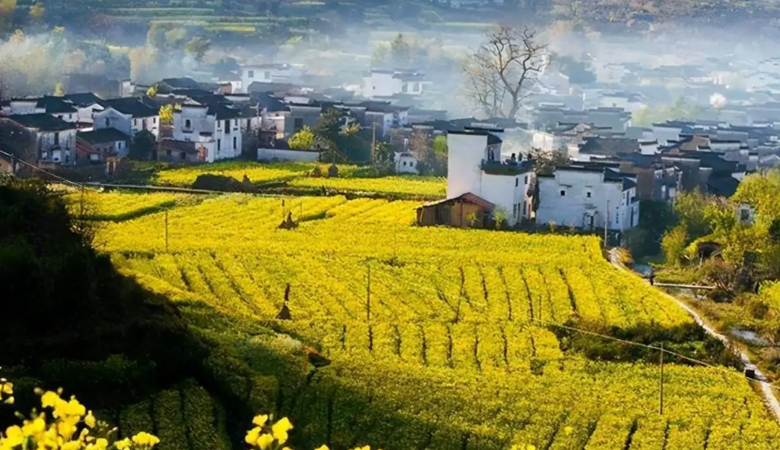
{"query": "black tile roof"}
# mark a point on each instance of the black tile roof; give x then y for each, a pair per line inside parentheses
(83, 100)
(42, 122)
(103, 135)
(724, 186)
(181, 83)
(131, 106)
(223, 112)
(609, 146)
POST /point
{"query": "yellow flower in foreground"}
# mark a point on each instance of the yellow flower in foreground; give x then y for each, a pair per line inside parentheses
(13, 436)
(9, 401)
(145, 439)
(531, 447)
(90, 420)
(260, 420)
(72, 445)
(568, 430)
(49, 399)
(7, 388)
(265, 441)
(324, 447)
(280, 430)
(33, 427)
(252, 435)
(123, 444)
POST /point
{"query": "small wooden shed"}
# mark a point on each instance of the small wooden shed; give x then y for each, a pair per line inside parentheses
(464, 211)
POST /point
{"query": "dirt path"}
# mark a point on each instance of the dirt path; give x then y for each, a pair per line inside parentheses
(766, 387)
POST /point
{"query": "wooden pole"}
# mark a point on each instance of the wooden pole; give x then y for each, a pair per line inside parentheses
(368, 295)
(606, 225)
(662, 380)
(373, 141)
(166, 231)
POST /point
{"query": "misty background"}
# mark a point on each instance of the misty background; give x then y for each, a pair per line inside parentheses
(592, 43)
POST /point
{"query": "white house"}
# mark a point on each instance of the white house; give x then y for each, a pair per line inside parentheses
(55, 139)
(406, 162)
(129, 116)
(216, 130)
(474, 166)
(587, 197)
(86, 106)
(269, 73)
(387, 83)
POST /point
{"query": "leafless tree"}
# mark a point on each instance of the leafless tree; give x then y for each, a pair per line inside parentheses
(501, 71)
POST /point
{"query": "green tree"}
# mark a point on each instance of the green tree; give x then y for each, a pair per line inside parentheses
(197, 47)
(151, 92)
(673, 244)
(142, 146)
(302, 140)
(400, 52)
(166, 114)
(59, 91)
(37, 10)
(7, 8)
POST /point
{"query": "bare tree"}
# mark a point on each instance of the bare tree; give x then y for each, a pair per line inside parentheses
(500, 72)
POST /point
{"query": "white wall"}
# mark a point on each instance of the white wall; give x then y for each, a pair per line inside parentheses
(151, 124)
(191, 121)
(66, 140)
(267, 154)
(585, 194)
(26, 107)
(405, 163)
(464, 163)
(381, 84)
(510, 192)
(86, 115)
(111, 118)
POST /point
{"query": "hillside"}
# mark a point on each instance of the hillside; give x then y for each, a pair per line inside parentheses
(460, 339)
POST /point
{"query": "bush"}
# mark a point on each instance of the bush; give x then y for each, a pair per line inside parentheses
(211, 182)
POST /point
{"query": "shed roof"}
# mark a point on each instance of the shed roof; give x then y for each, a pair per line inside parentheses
(42, 122)
(467, 197)
(103, 135)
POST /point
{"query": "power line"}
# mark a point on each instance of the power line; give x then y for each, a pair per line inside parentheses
(15, 158)
(652, 347)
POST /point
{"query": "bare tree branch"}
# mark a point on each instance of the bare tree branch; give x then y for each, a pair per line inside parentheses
(499, 72)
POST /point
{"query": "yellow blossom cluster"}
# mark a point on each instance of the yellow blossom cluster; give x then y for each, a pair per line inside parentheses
(65, 425)
(6, 391)
(265, 436)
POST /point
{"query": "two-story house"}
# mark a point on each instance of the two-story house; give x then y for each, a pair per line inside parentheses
(269, 73)
(128, 115)
(215, 130)
(588, 197)
(51, 139)
(380, 83)
(475, 167)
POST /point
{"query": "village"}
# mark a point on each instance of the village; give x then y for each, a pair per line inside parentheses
(571, 157)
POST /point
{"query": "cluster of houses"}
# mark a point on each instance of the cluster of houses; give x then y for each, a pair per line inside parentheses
(605, 164)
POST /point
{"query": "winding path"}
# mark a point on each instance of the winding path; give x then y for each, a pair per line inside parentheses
(766, 388)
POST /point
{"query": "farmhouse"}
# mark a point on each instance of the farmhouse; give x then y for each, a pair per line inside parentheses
(49, 139)
(475, 167)
(98, 145)
(588, 197)
(129, 116)
(215, 128)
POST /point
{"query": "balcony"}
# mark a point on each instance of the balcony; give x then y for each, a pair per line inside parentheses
(506, 167)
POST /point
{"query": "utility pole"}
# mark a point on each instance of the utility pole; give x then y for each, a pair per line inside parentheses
(166, 231)
(662, 379)
(606, 225)
(368, 294)
(373, 141)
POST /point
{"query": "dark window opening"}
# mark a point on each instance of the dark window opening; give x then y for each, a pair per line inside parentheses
(563, 193)
(183, 156)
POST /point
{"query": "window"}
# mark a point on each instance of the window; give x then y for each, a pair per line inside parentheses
(251, 74)
(517, 182)
(168, 153)
(298, 124)
(235, 142)
(514, 210)
(405, 88)
(588, 194)
(183, 156)
(154, 120)
(187, 124)
(235, 123)
(119, 145)
(267, 75)
(219, 144)
(416, 87)
(227, 126)
(56, 139)
(744, 215)
(563, 193)
(526, 180)
(404, 163)
(108, 122)
(411, 163)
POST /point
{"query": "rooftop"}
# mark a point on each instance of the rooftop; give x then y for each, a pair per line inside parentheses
(103, 135)
(42, 122)
(130, 106)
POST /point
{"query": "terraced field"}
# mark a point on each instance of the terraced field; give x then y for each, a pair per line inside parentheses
(451, 341)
